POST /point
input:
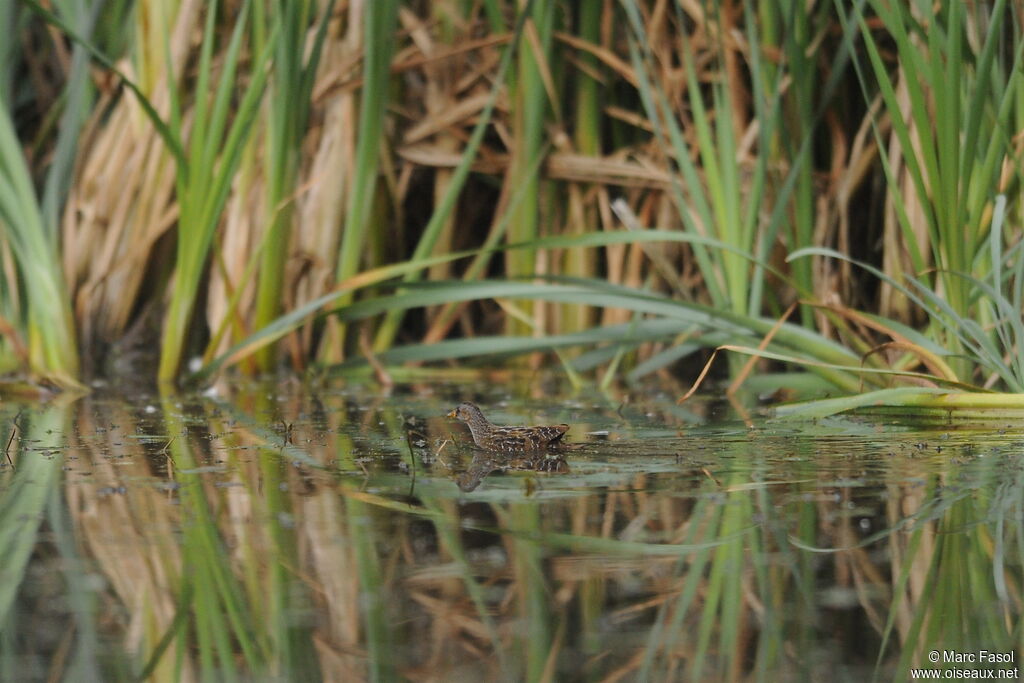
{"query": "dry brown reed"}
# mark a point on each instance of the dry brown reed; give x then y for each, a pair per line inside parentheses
(704, 119)
(122, 203)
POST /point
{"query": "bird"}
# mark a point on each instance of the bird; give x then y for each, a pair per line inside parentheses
(507, 439)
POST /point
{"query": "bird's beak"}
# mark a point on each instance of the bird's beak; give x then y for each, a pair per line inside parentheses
(452, 413)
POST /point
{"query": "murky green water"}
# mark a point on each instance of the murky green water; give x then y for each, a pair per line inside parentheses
(281, 533)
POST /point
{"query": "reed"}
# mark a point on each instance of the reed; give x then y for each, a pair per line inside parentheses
(221, 615)
(581, 212)
(941, 163)
(286, 122)
(795, 113)
(443, 212)
(204, 180)
(44, 320)
(79, 95)
(532, 91)
(10, 22)
(378, 36)
(739, 132)
(34, 304)
(120, 207)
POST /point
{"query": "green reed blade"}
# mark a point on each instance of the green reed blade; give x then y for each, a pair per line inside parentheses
(79, 95)
(288, 117)
(787, 27)
(686, 193)
(380, 19)
(11, 22)
(48, 323)
(587, 118)
(530, 106)
(527, 557)
(822, 355)
(951, 180)
(216, 148)
(968, 334)
(82, 598)
(850, 24)
(176, 629)
(298, 317)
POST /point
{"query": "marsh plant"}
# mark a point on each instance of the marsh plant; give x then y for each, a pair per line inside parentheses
(830, 189)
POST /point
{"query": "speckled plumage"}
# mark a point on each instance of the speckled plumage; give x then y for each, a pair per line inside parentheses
(507, 439)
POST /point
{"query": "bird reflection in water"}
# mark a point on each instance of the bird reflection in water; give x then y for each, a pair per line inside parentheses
(485, 463)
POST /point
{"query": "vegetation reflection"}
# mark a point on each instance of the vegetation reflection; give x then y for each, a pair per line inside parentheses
(310, 538)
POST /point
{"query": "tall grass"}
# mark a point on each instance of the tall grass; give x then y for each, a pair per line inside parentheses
(737, 127)
(950, 104)
(35, 300)
(443, 212)
(532, 91)
(378, 36)
(717, 205)
(286, 122)
(215, 141)
(581, 213)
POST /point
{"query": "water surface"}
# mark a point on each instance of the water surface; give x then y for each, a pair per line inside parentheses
(283, 532)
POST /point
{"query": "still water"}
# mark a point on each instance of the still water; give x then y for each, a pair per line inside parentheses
(283, 532)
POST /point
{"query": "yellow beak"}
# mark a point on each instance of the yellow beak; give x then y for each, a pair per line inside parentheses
(453, 412)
